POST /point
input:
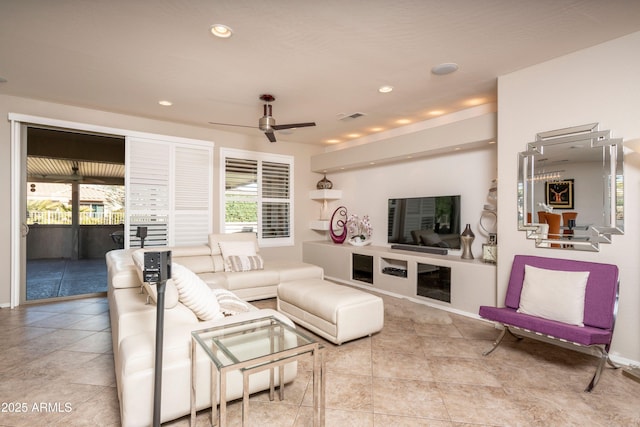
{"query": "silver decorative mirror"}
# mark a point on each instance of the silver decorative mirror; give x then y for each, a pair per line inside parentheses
(571, 189)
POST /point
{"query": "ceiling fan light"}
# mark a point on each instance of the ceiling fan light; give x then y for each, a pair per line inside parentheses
(221, 30)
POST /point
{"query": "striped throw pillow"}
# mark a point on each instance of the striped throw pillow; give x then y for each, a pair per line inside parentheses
(245, 262)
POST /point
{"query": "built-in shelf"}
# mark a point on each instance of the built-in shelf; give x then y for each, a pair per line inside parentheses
(324, 196)
(320, 225)
(445, 281)
(393, 267)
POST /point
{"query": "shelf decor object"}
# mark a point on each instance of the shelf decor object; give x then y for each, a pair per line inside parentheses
(340, 225)
(490, 249)
(359, 241)
(466, 238)
(324, 184)
(359, 229)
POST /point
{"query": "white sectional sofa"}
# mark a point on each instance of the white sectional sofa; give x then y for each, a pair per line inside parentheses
(133, 325)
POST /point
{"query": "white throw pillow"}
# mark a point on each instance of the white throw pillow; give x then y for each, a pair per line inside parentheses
(195, 294)
(554, 295)
(236, 248)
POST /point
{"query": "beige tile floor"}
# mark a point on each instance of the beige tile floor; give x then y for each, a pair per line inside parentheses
(424, 369)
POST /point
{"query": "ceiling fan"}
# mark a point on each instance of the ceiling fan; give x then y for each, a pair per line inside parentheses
(267, 123)
(75, 176)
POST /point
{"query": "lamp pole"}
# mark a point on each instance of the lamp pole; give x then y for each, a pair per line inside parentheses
(157, 269)
(157, 381)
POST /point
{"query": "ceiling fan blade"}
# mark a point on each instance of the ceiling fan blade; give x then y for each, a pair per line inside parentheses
(229, 124)
(293, 125)
(271, 136)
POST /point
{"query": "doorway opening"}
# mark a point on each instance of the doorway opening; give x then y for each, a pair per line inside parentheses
(74, 211)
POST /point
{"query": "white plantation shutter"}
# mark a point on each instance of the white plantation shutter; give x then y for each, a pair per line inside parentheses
(275, 200)
(168, 190)
(257, 194)
(148, 191)
(193, 201)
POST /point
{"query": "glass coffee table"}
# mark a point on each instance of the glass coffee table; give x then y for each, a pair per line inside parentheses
(250, 347)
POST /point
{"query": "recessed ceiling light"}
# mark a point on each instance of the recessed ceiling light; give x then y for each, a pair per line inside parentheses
(435, 113)
(354, 135)
(165, 103)
(377, 129)
(333, 141)
(385, 89)
(403, 121)
(446, 68)
(475, 101)
(222, 31)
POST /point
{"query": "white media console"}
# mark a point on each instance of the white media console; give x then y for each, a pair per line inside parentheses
(444, 281)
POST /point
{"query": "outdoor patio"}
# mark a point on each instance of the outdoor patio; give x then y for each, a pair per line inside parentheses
(52, 278)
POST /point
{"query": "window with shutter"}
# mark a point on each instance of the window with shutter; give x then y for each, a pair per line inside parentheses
(169, 191)
(257, 195)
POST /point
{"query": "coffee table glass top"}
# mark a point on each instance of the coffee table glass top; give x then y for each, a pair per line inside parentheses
(242, 342)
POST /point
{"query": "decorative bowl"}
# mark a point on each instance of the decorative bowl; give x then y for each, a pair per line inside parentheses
(359, 242)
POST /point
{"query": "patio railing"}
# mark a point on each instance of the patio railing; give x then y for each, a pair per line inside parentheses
(86, 218)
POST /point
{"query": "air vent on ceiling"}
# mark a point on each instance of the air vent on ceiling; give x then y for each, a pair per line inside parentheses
(352, 116)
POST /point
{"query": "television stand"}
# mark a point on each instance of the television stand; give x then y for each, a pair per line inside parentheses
(471, 282)
(425, 249)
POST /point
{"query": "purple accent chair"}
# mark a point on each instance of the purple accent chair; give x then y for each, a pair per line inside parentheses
(600, 308)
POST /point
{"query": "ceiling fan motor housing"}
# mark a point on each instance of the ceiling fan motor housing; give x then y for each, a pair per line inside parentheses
(267, 121)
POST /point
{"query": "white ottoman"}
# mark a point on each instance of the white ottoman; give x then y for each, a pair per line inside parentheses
(335, 312)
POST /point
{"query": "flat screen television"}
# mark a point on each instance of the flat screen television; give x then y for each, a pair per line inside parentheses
(425, 221)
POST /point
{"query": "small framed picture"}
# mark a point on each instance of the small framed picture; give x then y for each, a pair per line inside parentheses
(559, 194)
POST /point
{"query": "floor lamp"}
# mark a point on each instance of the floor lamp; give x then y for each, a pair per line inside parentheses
(157, 269)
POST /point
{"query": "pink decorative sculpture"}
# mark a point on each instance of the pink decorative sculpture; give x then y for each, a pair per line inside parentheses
(340, 223)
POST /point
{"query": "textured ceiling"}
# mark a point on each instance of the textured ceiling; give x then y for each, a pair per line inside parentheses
(46, 169)
(320, 59)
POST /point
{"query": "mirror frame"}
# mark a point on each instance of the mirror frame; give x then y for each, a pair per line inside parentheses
(613, 185)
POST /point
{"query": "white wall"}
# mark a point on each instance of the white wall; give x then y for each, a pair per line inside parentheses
(467, 172)
(304, 180)
(598, 84)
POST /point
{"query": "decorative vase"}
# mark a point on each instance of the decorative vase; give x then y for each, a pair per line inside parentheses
(466, 239)
(324, 184)
(340, 224)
